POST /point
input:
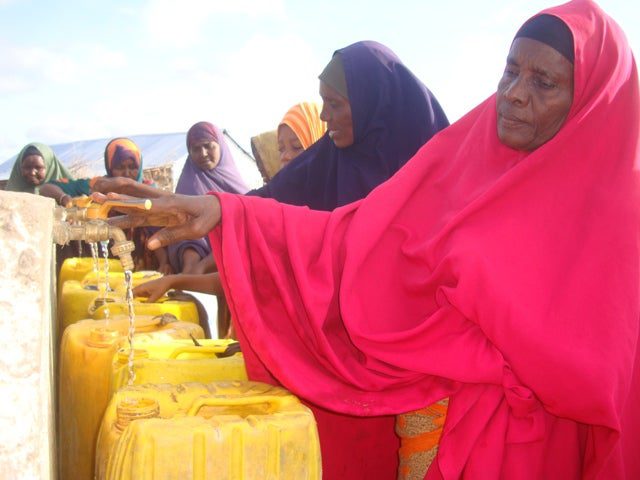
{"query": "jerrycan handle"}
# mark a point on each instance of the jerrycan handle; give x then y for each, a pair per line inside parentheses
(217, 350)
(277, 401)
(162, 299)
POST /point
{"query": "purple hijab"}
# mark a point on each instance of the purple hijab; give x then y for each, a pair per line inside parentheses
(394, 114)
(195, 181)
(223, 178)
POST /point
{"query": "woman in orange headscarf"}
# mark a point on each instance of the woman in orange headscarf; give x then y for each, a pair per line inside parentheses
(300, 128)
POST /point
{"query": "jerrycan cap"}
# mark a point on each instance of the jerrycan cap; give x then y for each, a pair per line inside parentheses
(102, 337)
(138, 353)
(135, 408)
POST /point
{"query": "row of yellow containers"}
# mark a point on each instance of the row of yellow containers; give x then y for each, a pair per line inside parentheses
(255, 433)
(88, 347)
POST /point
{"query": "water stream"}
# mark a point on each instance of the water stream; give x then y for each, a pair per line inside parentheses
(94, 254)
(105, 254)
(132, 326)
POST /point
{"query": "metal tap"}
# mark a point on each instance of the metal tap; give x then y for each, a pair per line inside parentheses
(89, 223)
(85, 209)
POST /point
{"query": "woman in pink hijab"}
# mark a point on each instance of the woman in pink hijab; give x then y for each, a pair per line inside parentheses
(499, 267)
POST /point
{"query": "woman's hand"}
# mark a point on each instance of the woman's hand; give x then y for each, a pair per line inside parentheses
(109, 184)
(185, 217)
(126, 186)
(154, 289)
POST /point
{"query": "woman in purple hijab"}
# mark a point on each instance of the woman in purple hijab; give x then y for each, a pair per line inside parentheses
(378, 115)
(209, 167)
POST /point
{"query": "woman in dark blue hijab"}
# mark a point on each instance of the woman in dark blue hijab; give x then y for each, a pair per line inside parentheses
(378, 115)
(392, 115)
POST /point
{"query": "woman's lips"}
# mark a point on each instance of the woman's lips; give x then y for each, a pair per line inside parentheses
(511, 121)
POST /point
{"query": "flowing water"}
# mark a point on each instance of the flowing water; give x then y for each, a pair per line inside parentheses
(132, 327)
(94, 254)
(105, 254)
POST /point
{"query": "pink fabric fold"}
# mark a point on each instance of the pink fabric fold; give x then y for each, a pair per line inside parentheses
(507, 281)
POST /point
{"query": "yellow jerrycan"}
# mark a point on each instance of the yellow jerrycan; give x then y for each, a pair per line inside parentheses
(86, 355)
(116, 279)
(225, 430)
(185, 311)
(179, 361)
(78, 301)
(77, 267)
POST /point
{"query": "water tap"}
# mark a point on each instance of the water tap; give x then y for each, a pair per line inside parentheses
(89, 223)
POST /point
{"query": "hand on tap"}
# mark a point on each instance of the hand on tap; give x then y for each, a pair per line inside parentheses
(184, 217)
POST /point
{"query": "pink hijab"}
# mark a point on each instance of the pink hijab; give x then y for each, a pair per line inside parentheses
(506, 280)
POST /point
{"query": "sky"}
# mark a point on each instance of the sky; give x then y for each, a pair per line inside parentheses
(80, 70)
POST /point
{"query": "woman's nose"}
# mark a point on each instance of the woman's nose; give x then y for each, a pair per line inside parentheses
(516, 91)
(324, 115)
(286, 156)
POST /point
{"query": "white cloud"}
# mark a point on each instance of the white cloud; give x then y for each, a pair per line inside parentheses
(99, 58)
(181, 23)
(127, 10)
(29, 68)
(11, 84)
(33, 65)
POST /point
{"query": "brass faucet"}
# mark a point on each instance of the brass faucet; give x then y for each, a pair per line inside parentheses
(88, 221)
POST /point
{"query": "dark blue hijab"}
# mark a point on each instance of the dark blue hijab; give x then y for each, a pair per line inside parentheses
(394, 114)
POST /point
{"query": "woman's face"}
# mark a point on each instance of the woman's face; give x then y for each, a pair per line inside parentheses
(534, 94)
(336, 111)
(33, 169)
(289, 145)
(127, 168)
(206, 155)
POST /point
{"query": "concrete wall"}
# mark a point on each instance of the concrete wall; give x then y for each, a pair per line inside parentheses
(26, 365)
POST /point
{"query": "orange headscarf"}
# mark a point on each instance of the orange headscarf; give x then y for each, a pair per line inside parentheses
(117, 150)
(304, 119)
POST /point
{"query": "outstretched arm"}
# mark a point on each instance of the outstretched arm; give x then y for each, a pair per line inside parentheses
(127, 186)
(184, 217)
(153, 290)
